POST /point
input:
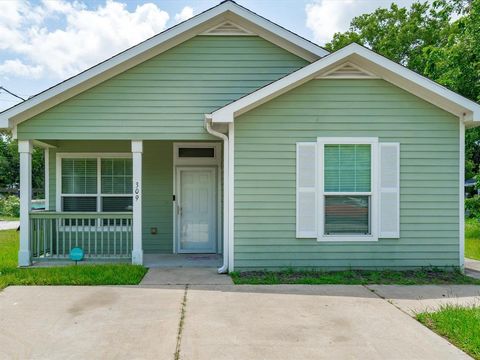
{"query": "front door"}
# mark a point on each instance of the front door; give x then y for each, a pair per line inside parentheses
(196, 210)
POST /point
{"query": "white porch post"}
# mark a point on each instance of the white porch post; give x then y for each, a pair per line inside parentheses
(137, 251)
(25, 150)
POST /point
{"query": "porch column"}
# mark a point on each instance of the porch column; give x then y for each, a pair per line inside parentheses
(137, 251)
(25, 150)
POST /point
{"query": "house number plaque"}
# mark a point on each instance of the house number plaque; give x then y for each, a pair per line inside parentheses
(137, 191)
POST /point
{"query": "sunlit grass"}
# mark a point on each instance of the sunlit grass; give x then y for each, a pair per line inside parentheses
(108, 274)
(460, 325)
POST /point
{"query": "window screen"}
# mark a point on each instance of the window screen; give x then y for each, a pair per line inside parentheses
(347, 215)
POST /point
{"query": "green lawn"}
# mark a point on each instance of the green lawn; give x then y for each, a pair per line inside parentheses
(115, 274)
(8, 218)
(461, 326)
(472, 239)
(353, 277)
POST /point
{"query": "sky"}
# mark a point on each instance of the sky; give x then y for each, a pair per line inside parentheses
(43, 42)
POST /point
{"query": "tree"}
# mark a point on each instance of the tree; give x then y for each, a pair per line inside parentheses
(10, 164)
(426, 38)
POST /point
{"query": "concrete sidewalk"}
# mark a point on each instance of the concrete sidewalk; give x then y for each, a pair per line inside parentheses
(9, 225)
(216, 322)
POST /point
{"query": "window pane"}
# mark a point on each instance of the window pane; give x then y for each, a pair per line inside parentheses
(72, 203)
(116, 176)
(79, 176)
(196, 152)
(347, 215)
(347, 168)
(110, 203)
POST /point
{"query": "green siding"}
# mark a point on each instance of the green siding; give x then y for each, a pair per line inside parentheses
(157, 185)
(265, 141)
(166, 97)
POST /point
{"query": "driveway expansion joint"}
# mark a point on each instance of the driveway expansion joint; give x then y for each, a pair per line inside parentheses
(181, 322)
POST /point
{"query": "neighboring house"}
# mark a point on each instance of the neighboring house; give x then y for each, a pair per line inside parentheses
(230, 134)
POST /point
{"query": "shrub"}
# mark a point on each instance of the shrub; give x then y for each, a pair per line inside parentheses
(10, 206)
(472, 207)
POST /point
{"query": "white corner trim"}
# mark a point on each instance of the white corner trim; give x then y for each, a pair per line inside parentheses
(461, 197)
(366, 59)
(47, 178)
(231, 203)
(228, 10)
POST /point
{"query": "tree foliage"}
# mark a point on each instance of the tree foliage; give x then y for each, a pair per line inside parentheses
(10, 164)
(440, 40)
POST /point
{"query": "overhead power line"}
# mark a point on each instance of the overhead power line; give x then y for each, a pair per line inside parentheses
(11, 93)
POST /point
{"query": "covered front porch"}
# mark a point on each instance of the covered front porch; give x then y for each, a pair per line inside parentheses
(155, 202)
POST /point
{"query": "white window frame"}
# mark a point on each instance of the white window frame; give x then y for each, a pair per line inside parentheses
(373, 205)
(98, 194)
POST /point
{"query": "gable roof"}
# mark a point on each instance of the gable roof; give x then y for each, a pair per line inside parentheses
(226, 11)
(465, 109)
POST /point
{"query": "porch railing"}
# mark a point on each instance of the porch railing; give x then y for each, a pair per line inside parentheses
(100, 235)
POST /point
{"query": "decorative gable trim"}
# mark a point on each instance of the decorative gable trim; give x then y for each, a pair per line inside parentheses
(226, 11)
(348, 71)
(227, 28)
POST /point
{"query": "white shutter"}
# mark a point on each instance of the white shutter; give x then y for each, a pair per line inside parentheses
(307, 190)
(389, 188)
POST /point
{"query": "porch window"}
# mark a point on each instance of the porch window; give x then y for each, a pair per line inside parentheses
(96, 184)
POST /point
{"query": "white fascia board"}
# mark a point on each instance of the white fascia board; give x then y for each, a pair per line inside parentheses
(154, 46)
(465, 109)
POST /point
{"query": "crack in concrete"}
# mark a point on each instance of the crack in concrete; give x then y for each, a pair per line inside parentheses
(183, 311)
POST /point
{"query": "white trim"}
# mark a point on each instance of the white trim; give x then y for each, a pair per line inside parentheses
(137, 189)
(215, 160)
(239, 31)
(151, 47)
(196, 163)
(461, 198)
(373, 205)
(178, 196)
(226, 156)
(46, 180)
(377, 64)
(73, 155)
(361, 73)
(25, 149)
(231, 202)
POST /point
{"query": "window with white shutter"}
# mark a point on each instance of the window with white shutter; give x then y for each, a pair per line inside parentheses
(348, 189)
(389, 188)
(306, 190)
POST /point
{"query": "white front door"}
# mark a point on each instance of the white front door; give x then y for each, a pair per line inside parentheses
(196, 210)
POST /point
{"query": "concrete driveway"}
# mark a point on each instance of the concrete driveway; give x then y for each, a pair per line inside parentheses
(218, 322)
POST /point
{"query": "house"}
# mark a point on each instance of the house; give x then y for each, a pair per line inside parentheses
(229, 134)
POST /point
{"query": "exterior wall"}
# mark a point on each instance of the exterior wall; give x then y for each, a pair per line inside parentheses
(265, 141)
(166, 97)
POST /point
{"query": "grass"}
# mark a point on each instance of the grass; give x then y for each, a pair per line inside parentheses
(8, 218)
(353, 277)
(472, 238)
(460, 325)
(111, 274)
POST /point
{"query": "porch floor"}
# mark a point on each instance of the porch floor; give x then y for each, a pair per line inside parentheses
(182, 260)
